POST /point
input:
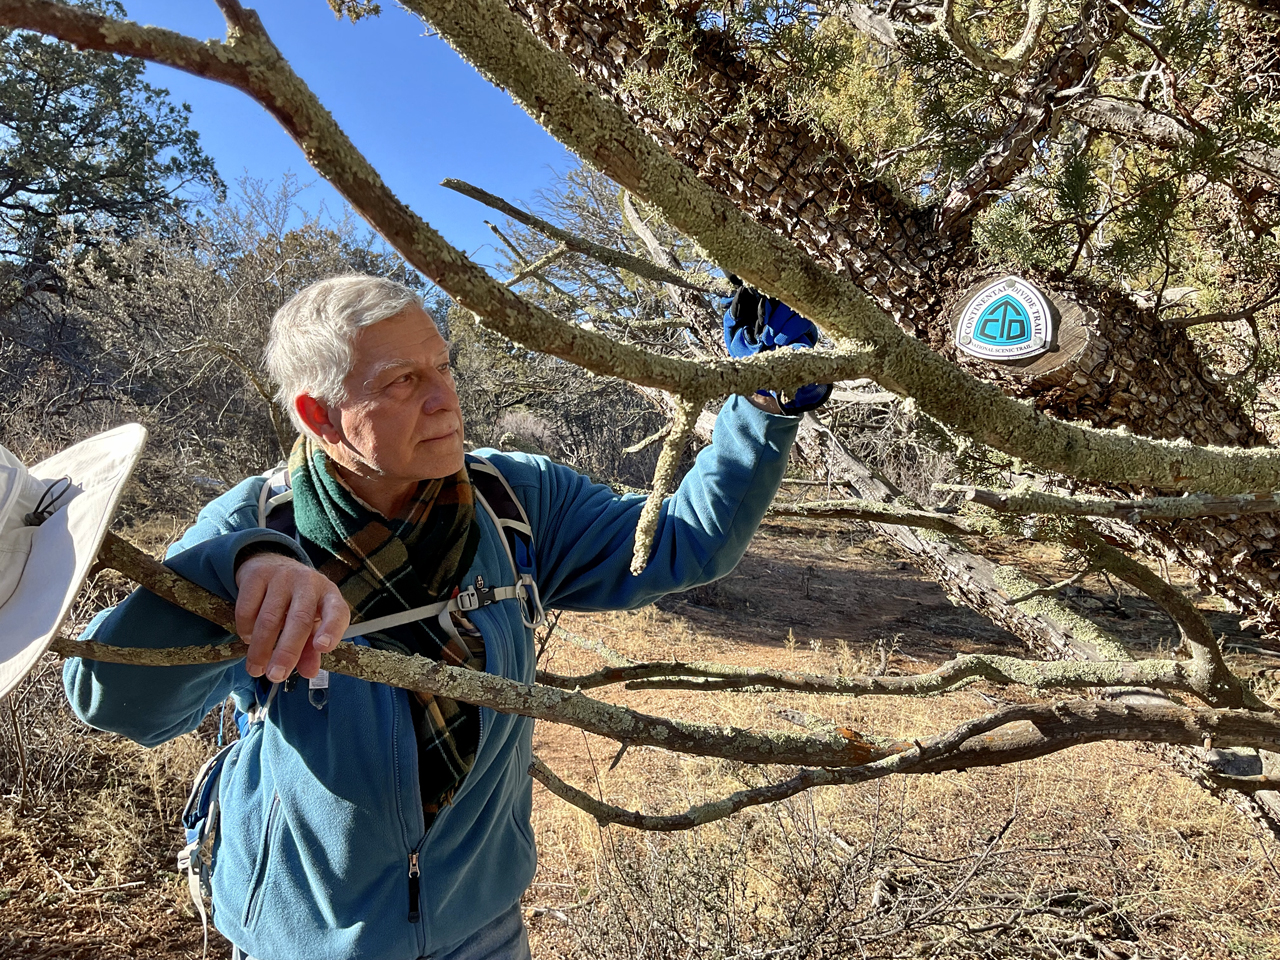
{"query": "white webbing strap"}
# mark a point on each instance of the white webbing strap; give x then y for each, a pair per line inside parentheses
(466, 601)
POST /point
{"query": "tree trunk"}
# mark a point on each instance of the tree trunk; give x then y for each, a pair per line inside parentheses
(1133, 371)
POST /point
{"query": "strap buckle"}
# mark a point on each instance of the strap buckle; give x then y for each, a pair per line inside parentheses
(477, 596)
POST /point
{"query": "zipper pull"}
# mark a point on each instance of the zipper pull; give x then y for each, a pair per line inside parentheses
(414, 914)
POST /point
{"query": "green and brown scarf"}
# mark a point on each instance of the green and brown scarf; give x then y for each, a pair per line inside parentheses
(385, 565)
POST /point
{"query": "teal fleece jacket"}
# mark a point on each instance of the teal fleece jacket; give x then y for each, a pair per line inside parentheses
(320, 814)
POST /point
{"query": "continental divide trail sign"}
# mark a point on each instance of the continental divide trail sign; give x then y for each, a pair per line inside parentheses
(1013, 326)
(1008, 319)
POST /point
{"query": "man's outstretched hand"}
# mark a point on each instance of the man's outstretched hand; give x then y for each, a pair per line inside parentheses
(288, 614)
(754, 323)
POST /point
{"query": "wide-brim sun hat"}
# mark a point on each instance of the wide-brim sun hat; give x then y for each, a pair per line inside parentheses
(42, 566)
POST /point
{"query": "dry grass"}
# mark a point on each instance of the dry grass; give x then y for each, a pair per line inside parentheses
(1107, 853)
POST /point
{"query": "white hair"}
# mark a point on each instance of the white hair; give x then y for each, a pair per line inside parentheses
(312, 344)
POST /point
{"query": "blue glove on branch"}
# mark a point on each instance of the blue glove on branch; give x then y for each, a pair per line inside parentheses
(754, 323)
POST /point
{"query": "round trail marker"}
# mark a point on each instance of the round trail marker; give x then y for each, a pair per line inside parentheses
(1010, 322)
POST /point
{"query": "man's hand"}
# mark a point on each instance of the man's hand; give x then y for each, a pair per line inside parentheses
(754, 323)
(288, 614)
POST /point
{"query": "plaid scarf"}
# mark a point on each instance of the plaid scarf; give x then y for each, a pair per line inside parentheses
(386, 565)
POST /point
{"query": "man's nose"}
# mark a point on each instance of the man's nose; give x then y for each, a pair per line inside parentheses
(440, 393)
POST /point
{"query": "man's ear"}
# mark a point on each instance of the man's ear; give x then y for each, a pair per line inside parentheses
(320, 419)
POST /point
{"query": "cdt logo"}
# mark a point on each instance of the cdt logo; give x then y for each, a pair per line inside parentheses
(1006, 320)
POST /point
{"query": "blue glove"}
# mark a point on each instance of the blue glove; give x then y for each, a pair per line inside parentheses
(754, 323)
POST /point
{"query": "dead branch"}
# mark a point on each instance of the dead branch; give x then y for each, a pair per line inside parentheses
(1010, 735)
(534, 268)
(606, 255)
(875, 26)
(692, 304)
(871, 511)
(664, 476)
(284, 435)
(1026, 500)
(1214, 681)
(1169, 675)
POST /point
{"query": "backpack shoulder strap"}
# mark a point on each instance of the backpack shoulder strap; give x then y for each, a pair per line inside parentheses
(506, 510)
(276, 493)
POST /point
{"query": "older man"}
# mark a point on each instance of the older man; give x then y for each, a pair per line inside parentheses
(368, 822)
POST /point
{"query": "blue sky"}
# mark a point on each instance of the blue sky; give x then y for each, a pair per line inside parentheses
(415, 109)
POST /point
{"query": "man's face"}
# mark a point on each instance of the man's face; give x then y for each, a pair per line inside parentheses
(401, 421)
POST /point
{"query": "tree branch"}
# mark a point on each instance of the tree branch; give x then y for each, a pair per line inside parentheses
(1025, 500)
(1010, 735)
(606, 255)
(872, 511)
(536, 267)
(1038, 115)
(875, 26)
(1213, 679)
(1011, 62)
(692, 304)
(526, 700)
(1168, 675)
(663, 480)
(456, 683)
(1132, 119)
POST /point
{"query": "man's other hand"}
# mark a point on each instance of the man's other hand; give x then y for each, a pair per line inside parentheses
(288, 614)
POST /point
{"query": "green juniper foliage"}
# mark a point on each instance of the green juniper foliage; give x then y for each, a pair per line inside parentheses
(87, 144)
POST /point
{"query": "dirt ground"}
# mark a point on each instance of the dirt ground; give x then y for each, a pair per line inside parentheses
(1101, 851)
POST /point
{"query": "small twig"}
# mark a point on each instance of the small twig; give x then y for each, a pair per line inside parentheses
(548, 631)
(606, 255)
(1053, 588)
(649, 440)
(22, 756)
(663, 480)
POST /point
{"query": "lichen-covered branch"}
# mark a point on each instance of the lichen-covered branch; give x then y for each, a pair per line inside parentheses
(1012, 60)
(428, 676)
(532, 269)
(1010, 735)
(492, 38)
(1212, 677)
(495, 41)
(1026, 500)
(664, 476)
(1168, 675)
(527, 700)
(871, 511)
(121, 555)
